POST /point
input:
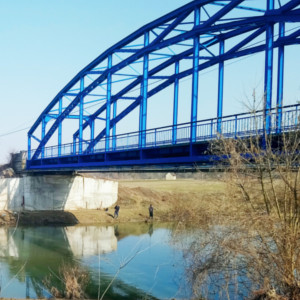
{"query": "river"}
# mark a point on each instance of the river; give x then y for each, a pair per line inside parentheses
(136, 261)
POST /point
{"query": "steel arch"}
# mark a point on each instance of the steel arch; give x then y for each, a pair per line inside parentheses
(201, 32)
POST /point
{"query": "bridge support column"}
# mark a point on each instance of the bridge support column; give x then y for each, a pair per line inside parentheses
(175, 105)
(268, 73)
(220, 90)
(280, 80)
(108, 104)
(81, 115)
(59, 127)
(195, 80)
(144, 92)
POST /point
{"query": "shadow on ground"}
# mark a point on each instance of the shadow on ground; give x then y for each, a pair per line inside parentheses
(46, 218)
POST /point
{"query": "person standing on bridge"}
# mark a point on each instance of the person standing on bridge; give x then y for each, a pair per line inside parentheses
(116, 214)
(151, 211)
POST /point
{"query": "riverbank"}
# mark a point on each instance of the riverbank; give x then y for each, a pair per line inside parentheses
(178, 200)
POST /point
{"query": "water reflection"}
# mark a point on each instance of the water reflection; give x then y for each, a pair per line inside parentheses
(91, 240)
(141, 255)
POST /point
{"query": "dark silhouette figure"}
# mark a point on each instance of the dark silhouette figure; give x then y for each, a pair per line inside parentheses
(116, 214)
(151, 211)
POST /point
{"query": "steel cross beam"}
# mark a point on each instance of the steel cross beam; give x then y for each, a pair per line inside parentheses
(169, 34)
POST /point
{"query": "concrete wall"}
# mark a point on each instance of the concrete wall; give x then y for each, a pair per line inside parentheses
(18, 161)
(56, 192)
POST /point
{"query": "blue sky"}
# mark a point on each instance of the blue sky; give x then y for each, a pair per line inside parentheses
(45, 43)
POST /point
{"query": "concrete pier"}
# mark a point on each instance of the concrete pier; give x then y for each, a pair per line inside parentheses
(56, 192)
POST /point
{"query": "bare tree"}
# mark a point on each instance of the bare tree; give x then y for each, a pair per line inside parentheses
(265, 171)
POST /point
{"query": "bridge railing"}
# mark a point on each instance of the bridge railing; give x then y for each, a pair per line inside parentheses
(233, 126)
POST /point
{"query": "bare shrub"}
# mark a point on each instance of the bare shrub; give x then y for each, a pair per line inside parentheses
(265, 171)
(71, 285)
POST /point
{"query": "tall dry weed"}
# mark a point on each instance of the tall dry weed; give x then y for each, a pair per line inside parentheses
(69, 283)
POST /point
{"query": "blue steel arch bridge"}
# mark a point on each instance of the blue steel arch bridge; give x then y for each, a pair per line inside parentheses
(85, 125)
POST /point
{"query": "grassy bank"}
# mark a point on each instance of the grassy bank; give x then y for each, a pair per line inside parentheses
(179, 200)
(172, 200)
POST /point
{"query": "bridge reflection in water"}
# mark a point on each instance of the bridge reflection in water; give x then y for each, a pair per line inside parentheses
(29, 255)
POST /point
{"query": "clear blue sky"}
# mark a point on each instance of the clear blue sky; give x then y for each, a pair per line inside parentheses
(45, 43)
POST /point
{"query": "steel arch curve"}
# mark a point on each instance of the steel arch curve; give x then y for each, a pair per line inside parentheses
(144, 58)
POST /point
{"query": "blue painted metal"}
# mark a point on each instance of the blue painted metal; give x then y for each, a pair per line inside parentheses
(43, 133)
(92, 126)
(81, 115)
(194, 108)
(59, 127)
(144, 94)
(280, 79)
(175, 104)
(114, 129)
(168, 41)
(29, 147)
(268, 70)
(108, 103)
(159, 141)
(220, 89)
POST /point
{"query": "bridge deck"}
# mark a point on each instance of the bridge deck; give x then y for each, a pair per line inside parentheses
(165, 145)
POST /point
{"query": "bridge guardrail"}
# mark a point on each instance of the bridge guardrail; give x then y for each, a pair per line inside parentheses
(233, 126)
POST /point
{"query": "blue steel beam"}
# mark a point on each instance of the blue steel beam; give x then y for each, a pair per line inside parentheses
(108, 103)
(283, 9)
(194, 108)
(171, 80)
(159, 43)
(81, 115)
(280, 80)
(186, 8)
(175, 104)
(144, 91)
(172, 60)
(207, 65)
(43, 133)
(220, 89)
(59, 127)
(268, 71)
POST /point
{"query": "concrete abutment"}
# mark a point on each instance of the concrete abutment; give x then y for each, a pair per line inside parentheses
(56, 192)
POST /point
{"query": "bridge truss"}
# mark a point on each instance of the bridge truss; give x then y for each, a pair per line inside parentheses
(84, 124)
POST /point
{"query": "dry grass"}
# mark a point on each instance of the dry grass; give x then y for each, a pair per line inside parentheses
(73, 282)
(190, 201)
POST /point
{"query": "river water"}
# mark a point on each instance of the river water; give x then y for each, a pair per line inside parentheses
(136, 261)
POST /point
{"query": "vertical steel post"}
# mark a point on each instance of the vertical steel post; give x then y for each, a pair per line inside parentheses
(29, 147)
(175, 104)
(268, 71)
(220, 90)
(81, 115)
(74, 145)
(235, 127)
(92, 128)
(114, 131)
(43, 135)
(59, 127)
(280, 80)
(195, 79)
(144, 92)
(108, 103)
